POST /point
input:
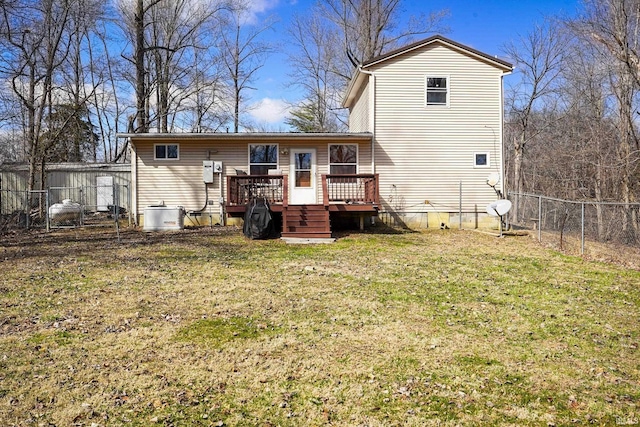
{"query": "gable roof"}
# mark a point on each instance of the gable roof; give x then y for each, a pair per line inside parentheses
(358, 77)
(493, 60)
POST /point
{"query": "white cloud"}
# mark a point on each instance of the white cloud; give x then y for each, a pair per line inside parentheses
(256, 7)
(269, 110)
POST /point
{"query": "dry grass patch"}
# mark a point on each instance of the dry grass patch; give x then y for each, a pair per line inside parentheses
(208, 328)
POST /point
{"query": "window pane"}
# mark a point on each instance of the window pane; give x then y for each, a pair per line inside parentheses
(437, 82)
(437, 98)
(161, 151)
(172, 151)
(343, 153)
(437, 90)
(303, 160)
(303, 179)
(481, 159)
(263, 154)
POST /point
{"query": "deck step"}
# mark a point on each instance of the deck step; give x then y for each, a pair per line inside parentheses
(294, 208)
(306, 222)
(307, 235)
(312, 222)
(306, 229)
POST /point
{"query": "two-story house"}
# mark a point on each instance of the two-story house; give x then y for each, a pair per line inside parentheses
(435, 110)
(425, 133)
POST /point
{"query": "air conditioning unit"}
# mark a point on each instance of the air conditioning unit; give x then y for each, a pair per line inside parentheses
(161, 218)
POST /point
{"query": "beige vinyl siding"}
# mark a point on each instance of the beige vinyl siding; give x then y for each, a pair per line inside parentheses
(425, 152)
(359, 113)
(179, 182)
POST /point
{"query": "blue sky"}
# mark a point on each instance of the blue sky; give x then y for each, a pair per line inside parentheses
(485, 25)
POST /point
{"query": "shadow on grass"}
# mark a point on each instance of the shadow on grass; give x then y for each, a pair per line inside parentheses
(378, 229)
(30, 243)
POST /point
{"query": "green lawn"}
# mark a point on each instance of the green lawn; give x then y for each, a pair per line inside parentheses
(205, 327)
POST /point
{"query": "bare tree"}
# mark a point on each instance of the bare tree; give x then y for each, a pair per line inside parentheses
(244, 53)
(177, 32)
(614, 26)
(205, 98)
(35, 46)
(312, 65)
(354, 31)
(134, 24)
(368, 28)
(79, 82)
(538, 57)
(108, 81)
(166, 34)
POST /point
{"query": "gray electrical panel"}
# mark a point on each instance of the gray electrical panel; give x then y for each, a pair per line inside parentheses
(207, 171)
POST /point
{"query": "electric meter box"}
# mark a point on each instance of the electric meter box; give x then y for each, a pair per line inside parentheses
(207, 171)
(217, 167)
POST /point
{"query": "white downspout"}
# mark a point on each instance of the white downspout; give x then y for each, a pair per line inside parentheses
(372, 124)
(372, 116)
(501, 136)
(134, 182)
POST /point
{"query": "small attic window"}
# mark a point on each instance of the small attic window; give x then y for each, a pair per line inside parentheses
(437, 92)
(481, 160)
(166, 152)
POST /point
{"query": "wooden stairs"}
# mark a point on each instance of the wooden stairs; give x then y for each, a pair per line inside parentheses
(306, 222)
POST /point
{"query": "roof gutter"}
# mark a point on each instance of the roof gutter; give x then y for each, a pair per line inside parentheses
(243, 137)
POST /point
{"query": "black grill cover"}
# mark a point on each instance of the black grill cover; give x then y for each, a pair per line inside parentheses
(258, 222)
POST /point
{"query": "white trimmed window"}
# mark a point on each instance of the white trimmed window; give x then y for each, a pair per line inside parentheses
(481, 160)
(166, 152)
(343, 158)
(437, 90)
(262, 158)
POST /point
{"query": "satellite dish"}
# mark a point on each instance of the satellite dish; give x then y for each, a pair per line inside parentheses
(493, 179)
(499, 207)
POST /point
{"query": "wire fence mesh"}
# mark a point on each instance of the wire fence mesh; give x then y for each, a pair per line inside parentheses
(577, 226)
(63, 207)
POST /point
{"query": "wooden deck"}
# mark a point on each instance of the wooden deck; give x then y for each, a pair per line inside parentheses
(342, 194)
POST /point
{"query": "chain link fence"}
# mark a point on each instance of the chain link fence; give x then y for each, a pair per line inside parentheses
(576, 226)
(65, 207)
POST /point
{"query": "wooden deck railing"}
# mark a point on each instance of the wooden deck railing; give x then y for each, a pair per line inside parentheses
(242, 188)
(336, 188)
(351, 188)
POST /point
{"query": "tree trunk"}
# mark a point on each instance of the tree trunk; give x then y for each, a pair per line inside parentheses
(141, 117)
(624, 93)
(518, 155)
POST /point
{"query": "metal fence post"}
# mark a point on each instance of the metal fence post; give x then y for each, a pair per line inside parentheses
(82, 205)
(582, 229)
(460, 207)
(129, 204)
(46, 214)
(27, 208)
(116, 210)
(539, 218)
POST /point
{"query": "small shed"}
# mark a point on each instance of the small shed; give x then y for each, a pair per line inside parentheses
(91, 183)
(15, 176)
